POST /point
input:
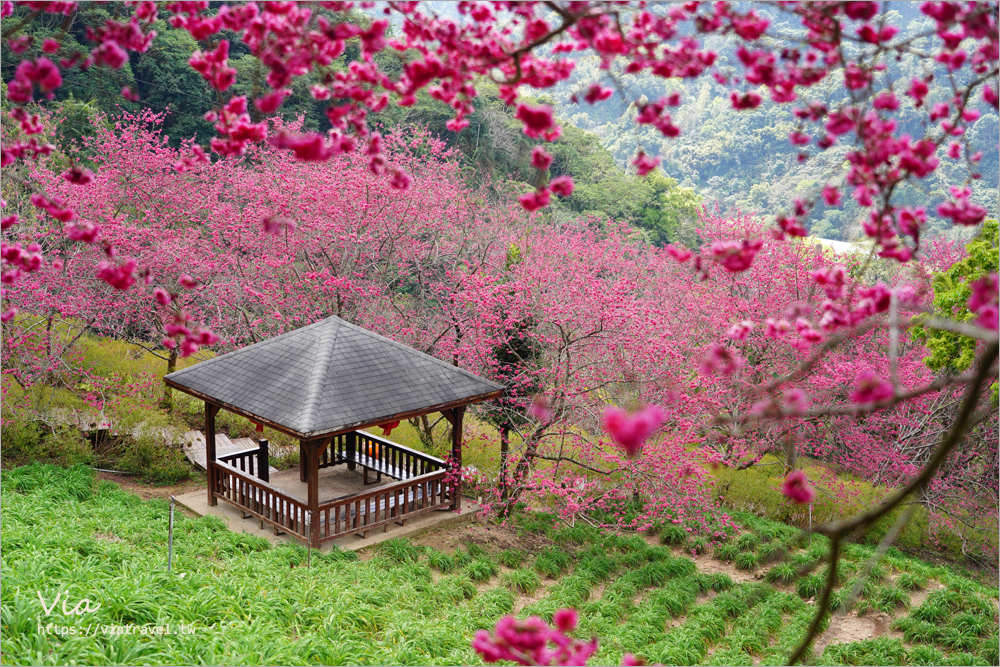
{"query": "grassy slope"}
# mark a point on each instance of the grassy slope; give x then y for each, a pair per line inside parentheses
(251, 603)
(121, 364)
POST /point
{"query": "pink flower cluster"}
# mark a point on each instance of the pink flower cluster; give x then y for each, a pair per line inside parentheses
(630, 431)
(533, 642)
(796, 488)
(985, 301)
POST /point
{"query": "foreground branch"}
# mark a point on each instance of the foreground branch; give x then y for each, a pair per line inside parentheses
(837, 530)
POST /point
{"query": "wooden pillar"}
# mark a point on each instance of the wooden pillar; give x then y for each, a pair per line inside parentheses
(312, 447)
(210, 412)
(352, 450)
(456, 455)
(263, 461)
(303, 461)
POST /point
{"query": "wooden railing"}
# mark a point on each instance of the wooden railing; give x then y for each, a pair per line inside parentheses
(258, 498)
(360, 512)
(252, 461)
(375, 453)
(424, 486)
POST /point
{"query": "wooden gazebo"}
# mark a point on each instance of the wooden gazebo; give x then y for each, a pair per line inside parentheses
(322, 384)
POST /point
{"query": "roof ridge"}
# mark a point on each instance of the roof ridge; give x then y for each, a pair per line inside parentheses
(267, 342)
(321, 370)
(409, 349)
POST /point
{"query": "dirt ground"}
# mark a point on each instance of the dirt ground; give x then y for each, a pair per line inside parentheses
(492, 538)
(146, 491)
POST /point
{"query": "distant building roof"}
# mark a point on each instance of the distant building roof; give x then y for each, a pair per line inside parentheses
(842, 247)
(330, 377)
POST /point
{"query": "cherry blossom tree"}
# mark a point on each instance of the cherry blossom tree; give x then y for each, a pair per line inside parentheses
(836, 327)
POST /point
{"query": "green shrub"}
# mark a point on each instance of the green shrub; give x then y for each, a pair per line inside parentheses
(972, 624)
(926, 655)
(911, 581)
(782, 573)
(512, 558)
(440, 561)
(932, 611)
(885, 599)
(916, 631)
(462, 558)
(552, 562)
(20, 440)
(748, 542)
(398, 550)
(727, 552)
(171, 467)
(717, 581)
(747, 561)
(804, 561)
(990, 652)
(878, 651)
(957, 639)
(521, 580)
(770, 552)
(571, 591)
(809, 586)
(481, 571)
(581, 534)
(595, 568)
(475, 550)
(673, 534)
(534, 522)
(51, 482)
(26, 442)
(454, 588)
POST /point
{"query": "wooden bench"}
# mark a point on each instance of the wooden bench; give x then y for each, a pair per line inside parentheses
(379, 467)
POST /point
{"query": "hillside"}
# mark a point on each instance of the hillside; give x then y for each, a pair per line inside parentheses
(235, 599)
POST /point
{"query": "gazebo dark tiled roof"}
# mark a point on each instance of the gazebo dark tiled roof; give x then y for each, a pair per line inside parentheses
(331, 377)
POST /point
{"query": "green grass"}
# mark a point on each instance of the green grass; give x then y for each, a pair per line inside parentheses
(512, 558)
(783, 573)
(522, 581)
(553, 561)
(250, 602)
(481, 571)
(747, 561)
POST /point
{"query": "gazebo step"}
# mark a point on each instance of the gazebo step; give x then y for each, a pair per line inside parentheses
(194, 447)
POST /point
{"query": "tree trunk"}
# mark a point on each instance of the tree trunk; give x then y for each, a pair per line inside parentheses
(168, 393)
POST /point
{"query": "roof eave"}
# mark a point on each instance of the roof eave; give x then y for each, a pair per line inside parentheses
(313, 435)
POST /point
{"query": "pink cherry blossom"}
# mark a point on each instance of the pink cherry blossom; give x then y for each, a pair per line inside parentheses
(162, 296)
(535, 200)
(722, 360)
(735, 256)
(537, 120)
(597, 94)
(645, 164)
(985, 301)
(740, 330)
(540, 159)
(831, 195)
(561, 185)
(679, 253)
(796, 488)
(870, 388)
(630, 431)
(540, 408)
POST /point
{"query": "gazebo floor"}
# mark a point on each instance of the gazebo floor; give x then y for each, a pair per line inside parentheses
(333, 483)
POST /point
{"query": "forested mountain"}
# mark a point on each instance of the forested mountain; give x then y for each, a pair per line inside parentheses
(740, 159)
(744, 158)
